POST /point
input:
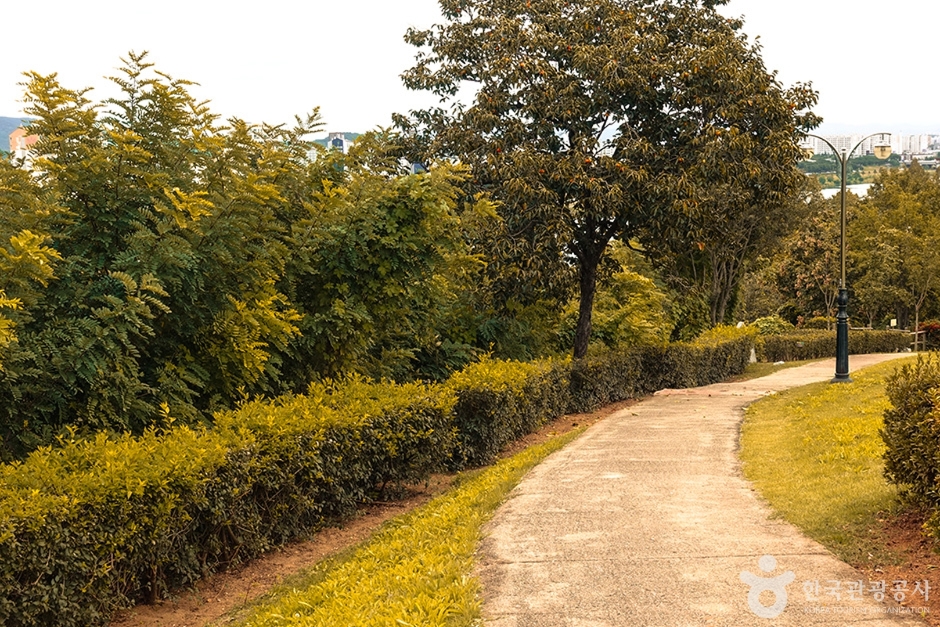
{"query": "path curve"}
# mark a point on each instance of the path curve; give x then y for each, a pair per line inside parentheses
(646, 520)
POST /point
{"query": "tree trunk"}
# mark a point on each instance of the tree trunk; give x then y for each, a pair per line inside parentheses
(724, 284)
(582, 334)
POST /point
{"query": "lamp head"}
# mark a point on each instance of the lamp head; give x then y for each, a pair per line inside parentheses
(808, 151)
(883, 151)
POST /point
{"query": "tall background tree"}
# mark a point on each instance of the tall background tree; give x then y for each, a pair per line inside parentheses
(895, 245)
(807, 268)
(893, 261)
(602, 120)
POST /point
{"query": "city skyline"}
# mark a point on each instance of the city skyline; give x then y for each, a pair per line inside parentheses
(871, 68)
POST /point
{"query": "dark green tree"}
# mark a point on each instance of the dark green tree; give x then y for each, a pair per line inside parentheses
(807, 266)
(594, 120)
(895, 244)
(373, 263)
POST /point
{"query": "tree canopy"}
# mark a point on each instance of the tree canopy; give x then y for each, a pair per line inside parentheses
(602, 120)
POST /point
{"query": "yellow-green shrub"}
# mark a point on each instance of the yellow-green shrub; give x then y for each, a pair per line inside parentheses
(499, 401)
(912, 430)
(715, 355)
(95, 525)
(608, 376)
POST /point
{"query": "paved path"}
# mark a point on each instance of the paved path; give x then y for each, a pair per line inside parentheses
(646, 520)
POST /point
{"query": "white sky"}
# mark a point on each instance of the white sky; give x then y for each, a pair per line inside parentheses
(874, 62)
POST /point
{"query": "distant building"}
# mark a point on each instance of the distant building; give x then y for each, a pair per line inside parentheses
(20, 141)
(338, 141)
(913, 144)
(900, 144)
(847, 143)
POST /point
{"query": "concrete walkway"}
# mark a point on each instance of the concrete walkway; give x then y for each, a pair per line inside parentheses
(646, 520)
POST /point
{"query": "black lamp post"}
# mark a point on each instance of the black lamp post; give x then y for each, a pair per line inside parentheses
(882, 151)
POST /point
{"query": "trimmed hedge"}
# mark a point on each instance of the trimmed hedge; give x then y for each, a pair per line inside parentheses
(615, 375)
(815, 344)
(911, 432)
(93, 526)
(610, 375)
(501, 401)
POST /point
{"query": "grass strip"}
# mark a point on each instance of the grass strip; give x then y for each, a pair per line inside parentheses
(815, 454)
(416, 570)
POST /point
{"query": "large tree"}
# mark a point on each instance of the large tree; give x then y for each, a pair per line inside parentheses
(807, 267)
(895, 243)
(594, 119)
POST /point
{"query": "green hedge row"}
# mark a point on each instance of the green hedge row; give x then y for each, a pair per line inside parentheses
(499, 402)
(815, 344)
(911, 433)
(615, 375)
(92, 526)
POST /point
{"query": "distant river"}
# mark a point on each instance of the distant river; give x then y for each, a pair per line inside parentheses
(859, 190)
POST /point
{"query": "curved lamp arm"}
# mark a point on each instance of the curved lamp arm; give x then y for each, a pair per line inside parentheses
(842, 319)
(848, 154)
(843, 158)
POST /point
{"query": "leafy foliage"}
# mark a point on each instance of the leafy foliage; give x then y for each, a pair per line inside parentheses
(895, 245)
(594, 119)
(372, 263)
(158, 263)
(911, 434)
(608, 376)
(771, 325)
(164, 228)
(892, 263)
(630, 307)
(95, 524)
(498, 402)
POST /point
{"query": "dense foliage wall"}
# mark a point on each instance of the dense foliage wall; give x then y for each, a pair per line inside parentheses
(892, 257)
(159, 264)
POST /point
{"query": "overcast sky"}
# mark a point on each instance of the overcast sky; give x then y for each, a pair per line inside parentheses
(874, 62)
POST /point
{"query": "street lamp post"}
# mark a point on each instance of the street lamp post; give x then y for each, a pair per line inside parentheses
(882, 151)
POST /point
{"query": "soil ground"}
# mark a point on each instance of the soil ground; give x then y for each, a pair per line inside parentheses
(917, 558)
